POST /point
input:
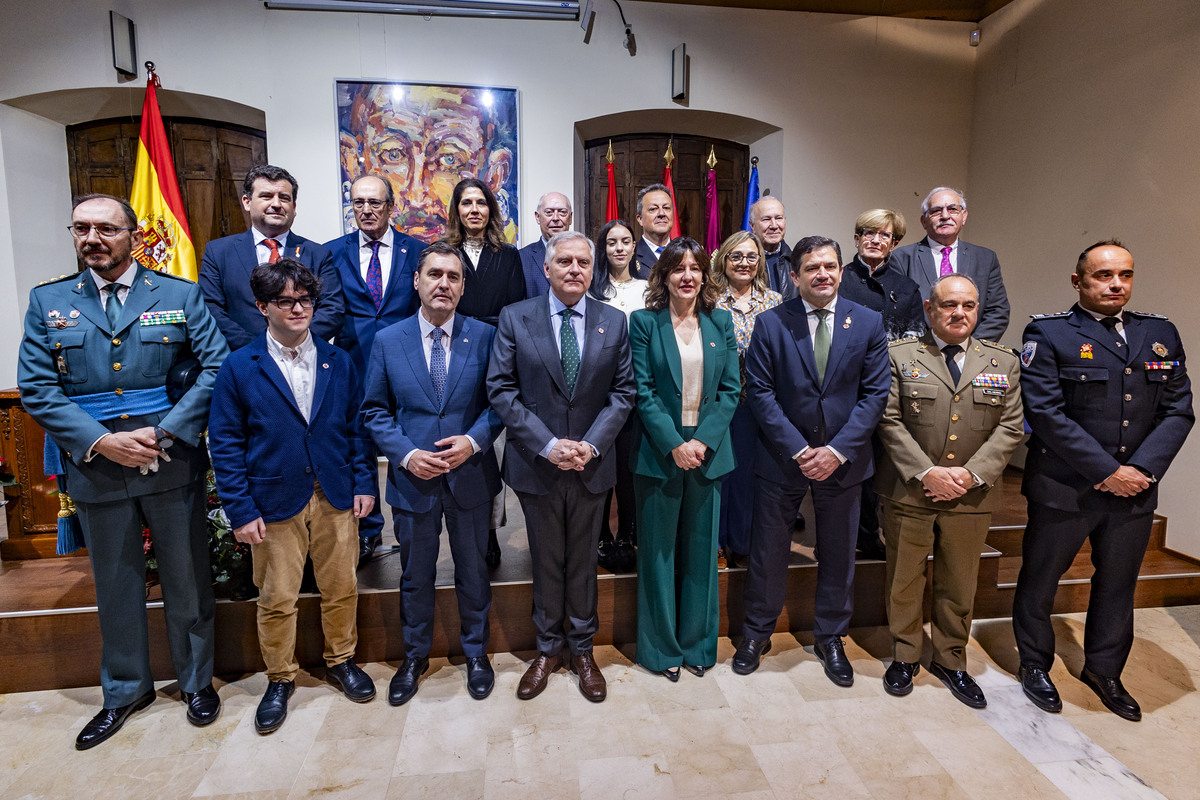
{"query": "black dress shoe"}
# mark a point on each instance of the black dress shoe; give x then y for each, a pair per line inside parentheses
(1039, 688)
(873, 549)
(833, 655)
(354, 683)
(670, 673)
(606, 551)
(109, 721)
(366, 549)
(481, 678)
(624, 555)
(898, 680)
(272, 709)
(492, 557)
(748, 654)
(405, 682)
(1113, 695)
(960, 684)
(202, 706)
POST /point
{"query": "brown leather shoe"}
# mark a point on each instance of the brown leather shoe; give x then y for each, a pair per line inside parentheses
(591, 680)
(534, 681)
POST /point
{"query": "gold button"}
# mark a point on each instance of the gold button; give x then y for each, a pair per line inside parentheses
(117, 366)
(120, 392)
(124, 416)
(914, 394)
(1083, 377)
(956, 398)
(954, 437)
(1128, 397)
(166, 338)
(1128, 371)
(57, 345)
(950, 456)
(1124, 423)
(116, 341)
(954, 418)
(1122, 449)
(995, 401)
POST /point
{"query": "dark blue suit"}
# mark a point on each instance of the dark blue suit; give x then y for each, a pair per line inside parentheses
(402, 414)
(1094, 406)
(225, 280)
(266, 456)
(533, 259)
(362, 321)
(794, 411)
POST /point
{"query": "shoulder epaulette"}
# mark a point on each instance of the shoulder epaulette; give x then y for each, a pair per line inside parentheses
(997, 345)
(1059, 315)
(1146, 315)
(905, 340)
(172, 275)
(56, 280)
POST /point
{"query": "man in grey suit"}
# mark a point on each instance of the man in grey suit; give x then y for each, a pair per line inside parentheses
(561, 381)
(553, 215)
(942, 252)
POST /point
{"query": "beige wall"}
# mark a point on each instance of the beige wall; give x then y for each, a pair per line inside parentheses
(1086, 127)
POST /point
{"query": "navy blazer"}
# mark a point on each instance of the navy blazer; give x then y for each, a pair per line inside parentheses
(225, 280)
(402, 414)
(362, 321)
(527, 389)
(1094, 406)
(533, 259)
(794, 411)
(266, 457)
(979, 264)
(644, 259)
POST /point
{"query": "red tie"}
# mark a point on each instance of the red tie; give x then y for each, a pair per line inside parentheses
(274, 246)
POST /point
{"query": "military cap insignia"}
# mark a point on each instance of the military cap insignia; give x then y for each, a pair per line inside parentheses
(1085, 351)
(1159, 349)
(1027, 352)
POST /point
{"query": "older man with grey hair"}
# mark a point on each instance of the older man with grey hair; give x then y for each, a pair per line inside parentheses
(553, 216)
(942, 252)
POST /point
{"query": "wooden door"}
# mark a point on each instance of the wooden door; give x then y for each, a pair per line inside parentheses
(639, 163)
(211, 159)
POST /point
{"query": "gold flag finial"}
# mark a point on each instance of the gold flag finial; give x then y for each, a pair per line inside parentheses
(610, 158)
(712, 157)
(670, 154)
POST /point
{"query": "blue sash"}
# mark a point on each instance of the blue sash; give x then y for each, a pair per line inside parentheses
(102, 407)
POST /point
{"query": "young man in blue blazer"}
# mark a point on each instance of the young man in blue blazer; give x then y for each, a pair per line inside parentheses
(293, 471)
(426, 407)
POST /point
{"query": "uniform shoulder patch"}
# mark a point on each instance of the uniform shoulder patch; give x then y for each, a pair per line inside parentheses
(1027, 353)
(1145, 315)
(1058, 315)
(997, 346)
(905, 340)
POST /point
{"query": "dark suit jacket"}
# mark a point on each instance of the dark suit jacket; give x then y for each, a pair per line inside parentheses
(979, 264)
(496, 282)
(779, 269)
(1093, 406)
(644, 259)
(793, 411)
(225, 280)
(402, 414)
(533, 257)
(82, 357)
(362, 321)
(265, 456)
(890, 292)
(658, 372)
(527, 389)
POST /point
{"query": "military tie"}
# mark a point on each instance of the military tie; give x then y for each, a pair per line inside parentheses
(951, 352)
(112, 309)
(821, 341)
(568, 349)
(375, 276)
(437, 364)
(273, 246)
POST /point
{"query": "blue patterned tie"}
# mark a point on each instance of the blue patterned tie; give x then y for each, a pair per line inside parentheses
(112, 309)
(437, 363)
(568, 349)
(375, 276)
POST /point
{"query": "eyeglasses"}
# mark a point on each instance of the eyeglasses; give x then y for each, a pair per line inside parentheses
(952, 210)
(882, 236)
(288, 303)
(81, 231)
(556, 212)
(372, 204)
(738, 258)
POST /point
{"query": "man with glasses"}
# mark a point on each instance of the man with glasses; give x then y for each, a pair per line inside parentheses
(98, 348)
(375, 265)
(553, 215)
(269, 197)
(294, 473)
(942, 252)
(768, 220)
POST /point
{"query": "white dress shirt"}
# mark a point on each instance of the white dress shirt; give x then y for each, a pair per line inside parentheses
(385, 256)
(657, 248)
(124, 284)
(262, 252)
(299, 367)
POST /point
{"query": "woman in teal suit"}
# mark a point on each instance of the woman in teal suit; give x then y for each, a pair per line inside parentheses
(686, 366)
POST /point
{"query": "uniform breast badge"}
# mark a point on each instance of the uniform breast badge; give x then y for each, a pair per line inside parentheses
(174, 317)
(1086, 351)
(1162, 364)
(995, 380)
(911, 370)
(1159, 349)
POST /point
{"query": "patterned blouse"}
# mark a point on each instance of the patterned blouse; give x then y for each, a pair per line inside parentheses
(743, 321)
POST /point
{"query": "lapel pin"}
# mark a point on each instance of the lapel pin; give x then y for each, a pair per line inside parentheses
(1159, 348)
(324, 366)
(74, 313)
(995, 363)
(1086, 350)
(465, 340)
(53, 314)
(79, 285)
(712, 344)
(601, 330)
(297, 251)
(147, 280)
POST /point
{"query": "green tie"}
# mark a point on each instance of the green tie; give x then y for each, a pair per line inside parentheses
(821, 342)
(568, 347)
(112, 309)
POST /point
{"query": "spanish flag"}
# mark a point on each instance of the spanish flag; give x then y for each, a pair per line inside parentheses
(166, 241)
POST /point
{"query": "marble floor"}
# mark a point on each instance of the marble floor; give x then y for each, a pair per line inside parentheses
(783, 732)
